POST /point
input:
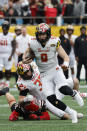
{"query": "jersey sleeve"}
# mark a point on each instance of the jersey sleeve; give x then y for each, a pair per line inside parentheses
(35, 67)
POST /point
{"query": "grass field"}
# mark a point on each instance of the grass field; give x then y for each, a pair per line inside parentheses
(52, 125)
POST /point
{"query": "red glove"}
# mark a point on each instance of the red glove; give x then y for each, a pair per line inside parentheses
(45, 116)
(14, 116)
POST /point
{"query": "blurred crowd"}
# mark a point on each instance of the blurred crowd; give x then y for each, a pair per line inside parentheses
(37, 11)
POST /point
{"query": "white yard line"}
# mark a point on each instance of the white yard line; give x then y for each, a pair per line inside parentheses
(83, 86)
(4, 105)
(44, 124)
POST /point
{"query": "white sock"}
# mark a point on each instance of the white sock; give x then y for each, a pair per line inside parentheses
(73, 76)
(68, 110)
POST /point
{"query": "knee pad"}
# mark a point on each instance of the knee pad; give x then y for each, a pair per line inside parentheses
(8, 74)
(1, 74)
(51, 98)
(57, 103)
(66, 90)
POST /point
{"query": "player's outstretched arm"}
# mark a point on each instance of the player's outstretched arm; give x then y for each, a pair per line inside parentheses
(28, 56)
(62, 53)
(65, 57)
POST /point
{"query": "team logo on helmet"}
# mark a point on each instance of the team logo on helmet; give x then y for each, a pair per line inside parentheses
(22, 68)
(43, 27)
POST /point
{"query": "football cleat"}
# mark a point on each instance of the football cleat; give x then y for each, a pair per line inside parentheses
(73, 116)
(14, 116)
(80, 115)
(78, 98)
(4, 91)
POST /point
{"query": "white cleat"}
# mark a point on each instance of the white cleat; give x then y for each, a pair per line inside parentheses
(80, 115)
(78, 98)
(73, 116)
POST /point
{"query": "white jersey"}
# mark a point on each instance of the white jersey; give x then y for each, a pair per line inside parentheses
(34, 85)
(23, 43)
(5, 44)
(45, 57)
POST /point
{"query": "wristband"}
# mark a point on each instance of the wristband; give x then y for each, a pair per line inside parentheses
(66, 63)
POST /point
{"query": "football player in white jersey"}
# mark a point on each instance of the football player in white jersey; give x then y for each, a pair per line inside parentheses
(72, 38)
(22, 42)
(45, 47)
(29, 81)
(7, 49)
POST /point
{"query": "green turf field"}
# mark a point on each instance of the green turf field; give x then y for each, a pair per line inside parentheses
(52, 125)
